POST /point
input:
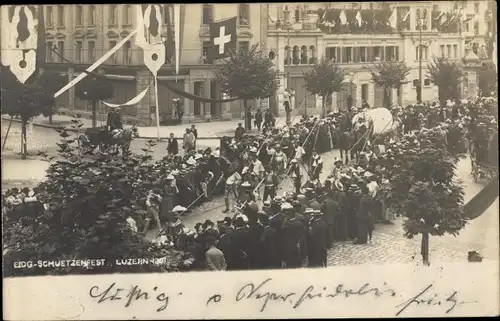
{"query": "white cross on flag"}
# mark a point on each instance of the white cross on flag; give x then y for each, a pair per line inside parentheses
(222, 38)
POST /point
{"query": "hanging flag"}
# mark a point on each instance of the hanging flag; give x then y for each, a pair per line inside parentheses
(149, 22)
(343, 18)
(359, 20)
(20, 40)
(393, 19)
(222, 38)
(439, 16)
(132, 101)
(170, 43)
(406, 16)
(442, 19)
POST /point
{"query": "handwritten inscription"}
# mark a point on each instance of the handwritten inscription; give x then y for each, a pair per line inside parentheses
(428, 298)
(114, 293)
(264, 292)
(251, 291)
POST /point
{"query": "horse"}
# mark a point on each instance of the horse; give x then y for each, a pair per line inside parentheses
(106, 140)
(345, 141)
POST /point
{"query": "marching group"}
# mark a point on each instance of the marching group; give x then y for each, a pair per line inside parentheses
(289, 230)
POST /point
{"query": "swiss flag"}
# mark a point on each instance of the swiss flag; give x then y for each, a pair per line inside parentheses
(222, 38)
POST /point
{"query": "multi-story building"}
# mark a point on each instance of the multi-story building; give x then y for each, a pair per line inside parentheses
(83, 33)
(299, 34)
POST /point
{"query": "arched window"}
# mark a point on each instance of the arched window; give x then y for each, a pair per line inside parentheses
(303, 55)
(312, 60)
(297, 15)
(288, 55)
(296, 55)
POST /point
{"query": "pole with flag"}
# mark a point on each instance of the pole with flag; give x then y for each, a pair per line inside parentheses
(359, 19)
(393, 19)
(343, 17)
(177, 32)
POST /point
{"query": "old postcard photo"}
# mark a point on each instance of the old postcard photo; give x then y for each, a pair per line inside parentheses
(328, 159)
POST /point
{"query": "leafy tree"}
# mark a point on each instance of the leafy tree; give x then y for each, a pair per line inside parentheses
(423, 187)
(324, 79)
(447, 76)
(488, 80)
(28, 100)
(389, 75)
(94, 88)
(247, 74)
(88, 197)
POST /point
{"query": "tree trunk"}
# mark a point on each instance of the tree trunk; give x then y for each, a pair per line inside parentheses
(273, 104)
(245, 117)
(425, 248)
(323, 106)
(94, 113)
(386, 97)
(50, 119)
(7, 133)
(24, 145)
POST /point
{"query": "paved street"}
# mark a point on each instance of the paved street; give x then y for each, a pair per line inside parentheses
(388, 243)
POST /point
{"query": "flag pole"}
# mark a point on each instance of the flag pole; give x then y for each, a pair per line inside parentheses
(157, 108)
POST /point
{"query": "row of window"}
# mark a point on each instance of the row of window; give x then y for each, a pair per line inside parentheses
(449, 51)
(243, 14)
(87, 55)
(362, 54)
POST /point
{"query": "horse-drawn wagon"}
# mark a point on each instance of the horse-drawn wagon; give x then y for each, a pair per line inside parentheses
(103, 138)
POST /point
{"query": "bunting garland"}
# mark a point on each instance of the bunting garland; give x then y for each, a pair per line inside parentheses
(131, 102)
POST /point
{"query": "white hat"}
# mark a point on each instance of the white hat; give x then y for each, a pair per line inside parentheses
(191, 161)
(253, 150)
(293, 160)
(216, 153)
(368, 174)
(246, 184)
(339, 186)
(286, 206)
(198, 156)
(170, 176)
(308, 210)
(179, 208)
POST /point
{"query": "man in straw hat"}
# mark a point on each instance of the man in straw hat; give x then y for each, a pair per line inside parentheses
(317, 240)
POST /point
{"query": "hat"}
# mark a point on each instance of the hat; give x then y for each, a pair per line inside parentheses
(198, 156)
(216, 153)
(301, 197)
(367, 174)
(245, 184)
(293, 160)
(266, 203)
(278, 199)
(170, 176)
(309, 189)
(339, 186)
(308, 210)
(179, 208)
(191, 161)
(286, 206)
(316, 213)
(253, 150)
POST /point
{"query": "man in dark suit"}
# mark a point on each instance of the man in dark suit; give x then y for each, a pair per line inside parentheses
(291, 236)
(240, 239)
(317, 240)
(331, 210)
(269, 244)
(114, 120)
(172, 146)
(363, 216)
(195, 134)
(225, 243)
(255, 230)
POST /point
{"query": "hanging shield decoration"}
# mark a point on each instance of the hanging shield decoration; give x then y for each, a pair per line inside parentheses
(149, 39)
(19, 44)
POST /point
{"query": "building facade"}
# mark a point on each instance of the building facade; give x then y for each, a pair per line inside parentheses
(300, 34)
(83, 33)
(294, 36)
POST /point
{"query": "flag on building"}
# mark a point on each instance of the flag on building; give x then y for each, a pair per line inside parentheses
(393, 19)
(406, 16)
(343, 18)
(222, 38)
(359, 19)
(169, 43)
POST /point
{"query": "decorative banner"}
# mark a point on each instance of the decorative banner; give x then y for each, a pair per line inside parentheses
(149, 21)
(131, 102)
(96, 64)
(222, 38)
(20, 41)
